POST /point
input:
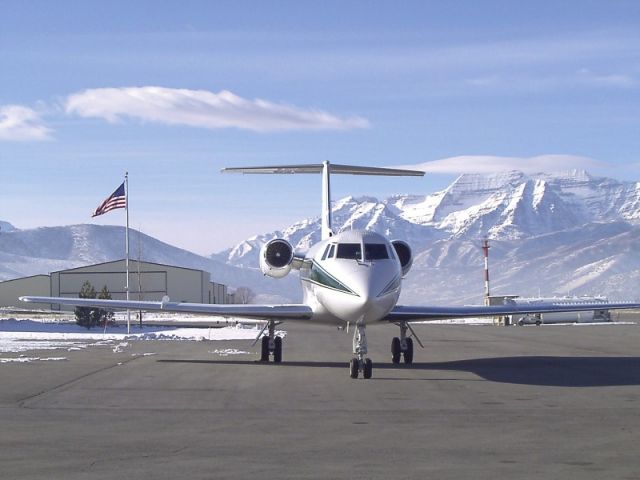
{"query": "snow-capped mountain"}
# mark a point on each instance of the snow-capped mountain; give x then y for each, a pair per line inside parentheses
(6, 227)
(567, 233)
(597, 258)
(43, 250)
(365, 213)
(562, 233)
(515, 205)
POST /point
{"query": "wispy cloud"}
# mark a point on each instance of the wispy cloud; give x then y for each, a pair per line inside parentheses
(490, 164)
(22, 124)
(201, 108)
(527, 81)
(612, 80)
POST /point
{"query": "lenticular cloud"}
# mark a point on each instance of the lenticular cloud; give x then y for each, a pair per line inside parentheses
(201, 108)
(491, 163)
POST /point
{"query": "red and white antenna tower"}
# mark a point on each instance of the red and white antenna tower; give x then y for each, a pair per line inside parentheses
(485, 251)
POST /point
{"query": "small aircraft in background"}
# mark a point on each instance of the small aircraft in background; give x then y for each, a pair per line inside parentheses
(352, 278)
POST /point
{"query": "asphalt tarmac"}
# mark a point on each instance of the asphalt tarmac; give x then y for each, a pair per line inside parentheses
(480, 402)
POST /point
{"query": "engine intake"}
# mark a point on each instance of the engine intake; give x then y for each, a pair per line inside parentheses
(276, 257)
(403, 250)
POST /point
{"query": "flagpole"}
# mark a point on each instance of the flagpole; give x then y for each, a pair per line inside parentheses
(126, 236)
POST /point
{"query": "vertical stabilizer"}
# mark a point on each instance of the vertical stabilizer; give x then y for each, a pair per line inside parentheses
(326, 201)
(326, 169)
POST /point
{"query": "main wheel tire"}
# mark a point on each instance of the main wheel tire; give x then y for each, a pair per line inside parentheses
(395, 350)
(408, 353)
(277, 353)
(353, 368)
(264, 351)
(368, 368)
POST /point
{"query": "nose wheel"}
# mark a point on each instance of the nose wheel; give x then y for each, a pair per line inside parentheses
(360, 363)
(356, 366)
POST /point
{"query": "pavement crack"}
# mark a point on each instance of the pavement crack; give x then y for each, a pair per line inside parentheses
(22, 403)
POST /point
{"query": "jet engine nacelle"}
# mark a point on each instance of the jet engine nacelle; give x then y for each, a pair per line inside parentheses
(403, 250)
(276, 257)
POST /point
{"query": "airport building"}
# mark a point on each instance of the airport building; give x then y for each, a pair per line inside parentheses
(147, 281)
(11, 290)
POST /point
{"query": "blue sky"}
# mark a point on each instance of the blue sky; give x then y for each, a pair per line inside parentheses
(174, 91)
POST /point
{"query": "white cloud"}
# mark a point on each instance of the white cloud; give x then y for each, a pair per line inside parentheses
(522, 82)
(201, 108)
(490, 164)
(613, 80)
(18, 123)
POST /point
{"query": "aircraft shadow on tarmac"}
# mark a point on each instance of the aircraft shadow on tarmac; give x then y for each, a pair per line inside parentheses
(538, 370)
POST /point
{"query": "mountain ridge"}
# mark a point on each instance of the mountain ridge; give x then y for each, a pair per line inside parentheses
(518, 212)
(568, 233)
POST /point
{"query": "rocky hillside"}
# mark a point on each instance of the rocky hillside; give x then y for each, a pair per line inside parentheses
(568, 233)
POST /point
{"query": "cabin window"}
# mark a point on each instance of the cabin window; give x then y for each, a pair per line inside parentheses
(351, 251)
(326, 252)
(332, 250)
(375, 251)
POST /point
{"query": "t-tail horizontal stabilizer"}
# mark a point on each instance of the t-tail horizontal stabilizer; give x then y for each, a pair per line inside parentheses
(326, 169)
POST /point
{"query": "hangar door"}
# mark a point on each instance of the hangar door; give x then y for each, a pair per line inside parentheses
(152, 284)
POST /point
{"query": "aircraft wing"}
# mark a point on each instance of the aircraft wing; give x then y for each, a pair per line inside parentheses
(424, 313)
(259, 312)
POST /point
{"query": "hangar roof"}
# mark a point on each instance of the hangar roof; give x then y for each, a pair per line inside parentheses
(93, 265)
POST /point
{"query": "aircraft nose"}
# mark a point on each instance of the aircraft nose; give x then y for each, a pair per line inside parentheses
(369, 281)
(368, 285)
(364, 285)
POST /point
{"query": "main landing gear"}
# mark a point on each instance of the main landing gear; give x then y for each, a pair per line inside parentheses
(360, 363)
(403, 346)
(271, 345)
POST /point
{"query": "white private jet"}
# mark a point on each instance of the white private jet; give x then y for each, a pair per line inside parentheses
(352, 278)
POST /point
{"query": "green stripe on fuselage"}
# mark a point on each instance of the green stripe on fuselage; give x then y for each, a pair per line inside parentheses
(318, 275)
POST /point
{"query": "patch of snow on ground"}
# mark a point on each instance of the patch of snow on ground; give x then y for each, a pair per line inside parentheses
(119, 348)
(23, 359)
(24, 335)
(225, 352)
(11, 344)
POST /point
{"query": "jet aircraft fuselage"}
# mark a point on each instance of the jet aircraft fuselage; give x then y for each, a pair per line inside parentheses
(353, 277)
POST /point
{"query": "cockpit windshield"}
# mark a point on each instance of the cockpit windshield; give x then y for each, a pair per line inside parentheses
(351, 251)
(375, 251)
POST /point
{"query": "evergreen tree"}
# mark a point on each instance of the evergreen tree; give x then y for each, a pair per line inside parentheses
(93, 316)
(87, 316)
(105, 316)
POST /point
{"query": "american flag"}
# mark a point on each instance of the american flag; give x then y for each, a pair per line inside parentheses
(117, 199)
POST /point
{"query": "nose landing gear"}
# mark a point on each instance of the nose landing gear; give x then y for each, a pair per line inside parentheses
(360, 363)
